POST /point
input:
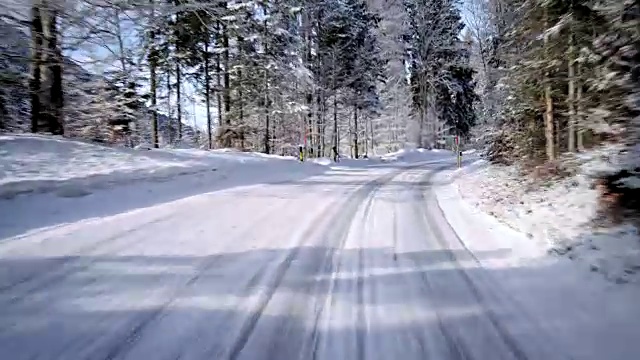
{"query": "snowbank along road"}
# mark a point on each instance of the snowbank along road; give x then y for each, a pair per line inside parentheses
(353, 264)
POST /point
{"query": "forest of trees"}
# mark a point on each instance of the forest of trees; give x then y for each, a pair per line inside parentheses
(530, 80)
(559, 78)
(361, 76)
(556, 77)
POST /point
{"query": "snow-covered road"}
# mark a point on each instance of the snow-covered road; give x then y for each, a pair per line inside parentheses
(352, 264)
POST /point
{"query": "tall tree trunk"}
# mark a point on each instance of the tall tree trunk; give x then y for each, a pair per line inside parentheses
(580, 102)
(424, 107)
(335, 122)
(121, 56)
(309, 119)
(421, 120)
(51, 71)
(153, 63)
(207, 90)
(240, 99)
(338, 141)
(126, 78)
(372, 142)
(227, 87)
(154, 104)
(432, 119)
(267, 135)
(335, 102)
(273, 133)
(218, 77)
(308, 63)
(57, 89)
(557, 133)
(177, 34)
(169, 114)
(355, 131)
(350, 135)
(179, 99)
(320, 93)
(571, 97)
(323, 130)
(548, 118)
(35, 81)
(366, 137)
(320, 122)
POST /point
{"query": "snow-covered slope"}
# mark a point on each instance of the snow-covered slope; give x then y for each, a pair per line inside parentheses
(597, 318)
(557, 217)
(32, 163)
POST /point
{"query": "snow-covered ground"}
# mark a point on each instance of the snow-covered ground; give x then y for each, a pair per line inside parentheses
(76, 180)
(417, 155)
(72, 168)
(366, 259)
(584, 311)
(401, 157)
(36, 164)
(557, 216)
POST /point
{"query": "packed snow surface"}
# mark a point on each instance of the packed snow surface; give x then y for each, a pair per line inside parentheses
(359, 260)
(401, 157)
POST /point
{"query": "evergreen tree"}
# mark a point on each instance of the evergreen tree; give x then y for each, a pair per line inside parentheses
(440, 74)
(618, 51)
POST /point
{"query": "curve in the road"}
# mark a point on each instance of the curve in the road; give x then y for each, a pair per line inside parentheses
(339, 266)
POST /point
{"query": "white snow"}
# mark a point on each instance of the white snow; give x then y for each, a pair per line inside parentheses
(402, 157)
(356, 262)
(583, 310)
(35, 164)
(398, 159)
(409, 155)
(557, 216)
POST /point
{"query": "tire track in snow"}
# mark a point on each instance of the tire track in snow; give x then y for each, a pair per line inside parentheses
(445, 342)
(340, 232)
(456, 345)
(249, 325)
(124, 344)
(492, 288)
(419, 338)
(56, 272)
(359, 280)
(329, 229)
(263, 274)
(336, 228)
(360, 276)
